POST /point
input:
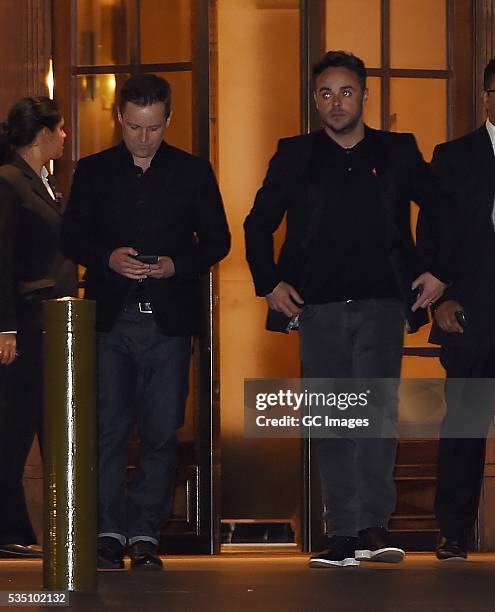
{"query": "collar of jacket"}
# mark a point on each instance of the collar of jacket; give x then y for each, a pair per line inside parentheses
(126, 156)
(37, 183)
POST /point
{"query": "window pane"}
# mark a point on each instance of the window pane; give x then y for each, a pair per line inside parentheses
(354, 25)
(104, 32)
(418, 34)
(372, 109)
(96, 106)
(165, 31)
(420, 106)
(179, 132)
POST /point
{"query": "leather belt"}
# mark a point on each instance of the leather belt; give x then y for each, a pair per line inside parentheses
(142, 307)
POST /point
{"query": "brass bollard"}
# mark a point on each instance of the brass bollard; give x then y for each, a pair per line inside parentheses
(70, 463)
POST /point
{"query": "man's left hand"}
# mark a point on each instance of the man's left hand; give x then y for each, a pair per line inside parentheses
(165, 268)
(432, 289)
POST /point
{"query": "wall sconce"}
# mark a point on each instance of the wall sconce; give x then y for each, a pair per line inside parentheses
(50, 83)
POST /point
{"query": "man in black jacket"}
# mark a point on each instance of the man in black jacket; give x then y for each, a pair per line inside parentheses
(346, 270)
(466, 317)
(147, 220)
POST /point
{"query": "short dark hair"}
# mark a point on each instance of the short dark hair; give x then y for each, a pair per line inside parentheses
(342, 59)
(144, 90)
(489, 74)
(25, 119)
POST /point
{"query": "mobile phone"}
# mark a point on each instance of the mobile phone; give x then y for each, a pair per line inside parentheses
(147, 259)
(460, 315)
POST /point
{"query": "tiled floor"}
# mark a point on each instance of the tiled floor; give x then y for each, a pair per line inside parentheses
(280, 583)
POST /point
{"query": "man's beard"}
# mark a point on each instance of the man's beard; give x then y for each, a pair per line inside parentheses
(346, 128)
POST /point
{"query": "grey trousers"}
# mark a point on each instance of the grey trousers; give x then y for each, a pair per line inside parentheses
(355, 339)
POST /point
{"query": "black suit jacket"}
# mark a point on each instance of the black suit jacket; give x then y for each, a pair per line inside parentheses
(403, 176)
(30, 252)
(466, 169)
(182, 217)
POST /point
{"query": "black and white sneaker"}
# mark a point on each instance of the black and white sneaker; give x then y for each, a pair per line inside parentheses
(340, 553)
(373, 545)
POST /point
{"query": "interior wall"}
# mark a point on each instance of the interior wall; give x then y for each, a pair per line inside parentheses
(25, 49)
(258, 103)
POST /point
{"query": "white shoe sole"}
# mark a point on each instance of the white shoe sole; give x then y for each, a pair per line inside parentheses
(382, 555)
(319, 562)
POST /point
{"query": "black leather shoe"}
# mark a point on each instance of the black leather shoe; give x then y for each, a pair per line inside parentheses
(110, 554)
(19, 551)
(144, 555)
(451, 550)
(374, 545)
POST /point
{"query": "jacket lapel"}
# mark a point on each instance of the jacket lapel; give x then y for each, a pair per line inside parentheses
(36, 183)
(314, 202)
(164, 171)
(386, 185)
(482, 151)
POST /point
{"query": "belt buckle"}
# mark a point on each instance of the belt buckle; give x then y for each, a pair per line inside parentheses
(145, 307)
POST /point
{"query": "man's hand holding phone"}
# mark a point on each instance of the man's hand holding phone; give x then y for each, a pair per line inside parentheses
(450, 317)
(123, 261)
(284, 298)
(164, 267)
(131, 264)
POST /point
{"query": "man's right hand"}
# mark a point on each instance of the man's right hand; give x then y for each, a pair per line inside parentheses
(282, 298)
(122, 262)
(445, 316)
(7, 348)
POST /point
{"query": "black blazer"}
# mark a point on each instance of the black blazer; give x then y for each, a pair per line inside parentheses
(403, 176)
(182, 217)
(466, 169)
(31, 258)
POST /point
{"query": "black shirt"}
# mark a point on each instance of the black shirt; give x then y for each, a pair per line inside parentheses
(351, 257)
(141, 187)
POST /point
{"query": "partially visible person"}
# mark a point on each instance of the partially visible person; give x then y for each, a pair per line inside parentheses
(465, 320)
(32, 269)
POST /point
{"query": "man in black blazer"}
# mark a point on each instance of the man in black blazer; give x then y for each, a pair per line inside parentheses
(465, 318)
(148, 199)
(345, 271)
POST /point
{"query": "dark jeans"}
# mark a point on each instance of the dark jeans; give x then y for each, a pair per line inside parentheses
(21, 417)
(461, 461)
(143, 377)
(355, 339)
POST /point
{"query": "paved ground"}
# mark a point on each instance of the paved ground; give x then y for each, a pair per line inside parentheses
(279, 583)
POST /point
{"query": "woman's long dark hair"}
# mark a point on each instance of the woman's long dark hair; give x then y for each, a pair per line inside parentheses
(25, 119)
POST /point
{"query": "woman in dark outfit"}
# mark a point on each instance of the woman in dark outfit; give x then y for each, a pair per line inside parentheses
(32, 269)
